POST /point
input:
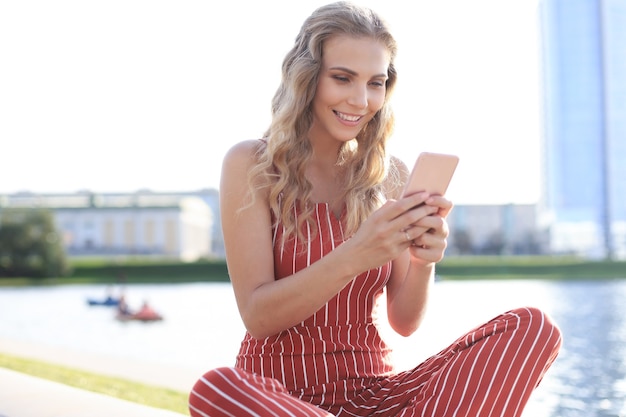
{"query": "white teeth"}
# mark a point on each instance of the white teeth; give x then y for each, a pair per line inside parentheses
(348, 118)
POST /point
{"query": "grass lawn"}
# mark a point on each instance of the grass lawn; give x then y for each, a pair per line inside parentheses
(529, 267)
(451, 268)
(152, 396)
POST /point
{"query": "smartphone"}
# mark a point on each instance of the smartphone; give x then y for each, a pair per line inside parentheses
(432, 173)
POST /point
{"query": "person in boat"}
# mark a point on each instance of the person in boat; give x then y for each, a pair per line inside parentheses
(316, 230)
(123, 308)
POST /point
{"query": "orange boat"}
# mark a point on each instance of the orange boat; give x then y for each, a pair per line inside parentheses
(145, 313)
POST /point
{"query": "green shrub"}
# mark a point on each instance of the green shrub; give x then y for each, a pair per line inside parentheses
(30, 245)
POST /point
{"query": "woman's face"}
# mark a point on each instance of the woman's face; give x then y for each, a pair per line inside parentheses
(351, 87)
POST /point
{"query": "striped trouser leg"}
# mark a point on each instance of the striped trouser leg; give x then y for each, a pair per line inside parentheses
(231, 392)
(492, 370)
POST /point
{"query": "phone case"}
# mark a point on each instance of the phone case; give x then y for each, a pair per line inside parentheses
(432, 173)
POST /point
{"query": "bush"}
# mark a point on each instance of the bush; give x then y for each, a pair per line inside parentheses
(30, 245)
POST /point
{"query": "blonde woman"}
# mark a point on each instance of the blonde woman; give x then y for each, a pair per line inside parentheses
(317, 230)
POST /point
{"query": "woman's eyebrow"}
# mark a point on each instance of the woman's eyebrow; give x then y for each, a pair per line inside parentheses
(352, 72)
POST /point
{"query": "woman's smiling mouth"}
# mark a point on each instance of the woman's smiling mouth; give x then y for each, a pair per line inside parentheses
(347, 117)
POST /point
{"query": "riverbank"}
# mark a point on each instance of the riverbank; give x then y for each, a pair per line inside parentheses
(26, 396)
(54, 397)
(150, 373)
(530, 267)
(140, 271)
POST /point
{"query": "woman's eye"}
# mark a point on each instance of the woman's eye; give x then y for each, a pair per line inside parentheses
(341, 78)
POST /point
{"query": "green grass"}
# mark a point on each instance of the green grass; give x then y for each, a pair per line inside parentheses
(152, 396)
(131, 272)
(529, 267)
(451, 268)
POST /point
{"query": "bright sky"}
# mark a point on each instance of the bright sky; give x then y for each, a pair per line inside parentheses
(119, 95)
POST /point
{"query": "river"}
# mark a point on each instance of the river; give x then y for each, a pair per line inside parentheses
(202, 330)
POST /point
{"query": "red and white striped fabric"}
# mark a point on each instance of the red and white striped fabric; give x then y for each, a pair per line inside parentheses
(335, 362)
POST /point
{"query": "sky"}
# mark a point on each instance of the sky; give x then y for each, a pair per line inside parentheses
(122, 95)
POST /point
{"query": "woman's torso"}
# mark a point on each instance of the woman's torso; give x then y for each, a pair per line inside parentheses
(340, 341)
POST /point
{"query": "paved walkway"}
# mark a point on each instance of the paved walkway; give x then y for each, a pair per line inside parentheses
(26, 396)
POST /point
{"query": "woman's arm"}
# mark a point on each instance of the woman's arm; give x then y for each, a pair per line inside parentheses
(268, 306)
(413, 271)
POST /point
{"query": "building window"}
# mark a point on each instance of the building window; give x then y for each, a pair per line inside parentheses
(149, 234)
(109, 233)
(129, 234)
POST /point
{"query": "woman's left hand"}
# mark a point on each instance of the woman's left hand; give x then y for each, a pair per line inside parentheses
(430, 233)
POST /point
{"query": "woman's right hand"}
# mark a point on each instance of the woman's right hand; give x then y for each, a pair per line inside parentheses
(389, 231)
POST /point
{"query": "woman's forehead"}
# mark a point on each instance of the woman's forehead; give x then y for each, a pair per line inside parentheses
(359, 54)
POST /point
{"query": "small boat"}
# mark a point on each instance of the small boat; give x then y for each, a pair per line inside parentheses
(139, 317)
(144, 314)
(108, 302)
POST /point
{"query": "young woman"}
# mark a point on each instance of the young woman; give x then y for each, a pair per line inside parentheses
(317, 230)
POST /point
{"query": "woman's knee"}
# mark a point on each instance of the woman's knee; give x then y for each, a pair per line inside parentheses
(540, 325)
(207, 388)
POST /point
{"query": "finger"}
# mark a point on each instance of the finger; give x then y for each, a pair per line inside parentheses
(444, 205)
(439, 201)
(433, 237)
(415, 215)
(433, 224)
(412, 233)
(430, 241)
(406, 204)
(414, 221)
(426, 254)
(416, 231)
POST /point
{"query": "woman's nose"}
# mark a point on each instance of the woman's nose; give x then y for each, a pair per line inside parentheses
(358, 97)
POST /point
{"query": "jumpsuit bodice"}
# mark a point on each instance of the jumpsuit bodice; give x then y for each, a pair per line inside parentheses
(339, 345)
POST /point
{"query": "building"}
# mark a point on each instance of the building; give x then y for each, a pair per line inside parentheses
(183, 225)
(583, 202)
(494, 229)
(211, 197)
(177, 226)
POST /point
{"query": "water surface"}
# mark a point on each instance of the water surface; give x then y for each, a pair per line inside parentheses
(202, 330)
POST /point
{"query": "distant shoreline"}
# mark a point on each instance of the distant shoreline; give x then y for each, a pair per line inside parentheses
(451, 268)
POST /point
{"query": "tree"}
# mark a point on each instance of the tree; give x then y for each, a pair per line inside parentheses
(463, 242)
(495, 244)
(30, 245)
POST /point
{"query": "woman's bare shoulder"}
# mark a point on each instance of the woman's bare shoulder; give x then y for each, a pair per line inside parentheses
(237, 163)
(396, 178)
(245, 149)
(399, 165)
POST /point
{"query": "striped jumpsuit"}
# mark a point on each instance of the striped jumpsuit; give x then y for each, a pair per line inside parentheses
(336, 364)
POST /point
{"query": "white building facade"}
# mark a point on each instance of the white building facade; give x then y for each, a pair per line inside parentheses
(138, 224)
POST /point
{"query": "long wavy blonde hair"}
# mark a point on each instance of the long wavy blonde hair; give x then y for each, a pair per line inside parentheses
(283, 160)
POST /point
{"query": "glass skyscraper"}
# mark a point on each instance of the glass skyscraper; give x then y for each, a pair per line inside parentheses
(583, 205)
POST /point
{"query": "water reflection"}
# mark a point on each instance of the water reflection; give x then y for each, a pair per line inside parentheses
(590, 378)
(202, 330)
